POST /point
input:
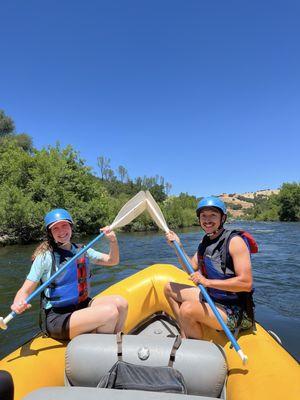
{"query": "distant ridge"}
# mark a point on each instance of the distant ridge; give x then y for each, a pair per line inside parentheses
(237, 203)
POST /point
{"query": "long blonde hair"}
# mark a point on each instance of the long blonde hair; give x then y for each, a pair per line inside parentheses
(46, 245)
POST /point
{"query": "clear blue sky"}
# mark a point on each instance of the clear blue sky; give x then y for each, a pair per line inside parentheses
(204, 93)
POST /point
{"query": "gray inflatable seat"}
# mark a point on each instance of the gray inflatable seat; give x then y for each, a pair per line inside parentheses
(83, 393)
(203, 365)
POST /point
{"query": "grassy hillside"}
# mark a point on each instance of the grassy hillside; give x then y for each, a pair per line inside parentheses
(238, 203)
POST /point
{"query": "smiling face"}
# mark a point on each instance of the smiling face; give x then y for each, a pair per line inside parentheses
(210, 219)
(61, 232)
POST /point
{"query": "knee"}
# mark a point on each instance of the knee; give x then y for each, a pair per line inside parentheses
(186, 310)
(121, 303)
(111, 312)
(168, 289)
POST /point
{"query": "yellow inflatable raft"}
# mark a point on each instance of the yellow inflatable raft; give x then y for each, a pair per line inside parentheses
(271, 372)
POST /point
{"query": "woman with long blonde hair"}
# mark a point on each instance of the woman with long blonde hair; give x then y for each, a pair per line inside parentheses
(69, 309)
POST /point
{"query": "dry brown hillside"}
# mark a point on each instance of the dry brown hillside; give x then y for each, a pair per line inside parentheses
(237, 203)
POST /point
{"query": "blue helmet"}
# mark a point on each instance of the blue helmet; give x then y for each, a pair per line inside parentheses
(59, 214)
(211, 202)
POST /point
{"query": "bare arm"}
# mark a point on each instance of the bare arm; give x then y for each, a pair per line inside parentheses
(194, 262)
(19, 305)
(242, 282)
(112, 258)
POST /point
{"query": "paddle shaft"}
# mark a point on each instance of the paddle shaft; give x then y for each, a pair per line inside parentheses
(211, 303)
(51, 279)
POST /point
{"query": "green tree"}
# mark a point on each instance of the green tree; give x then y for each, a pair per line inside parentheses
(109, 175)
(15, 164)
(25, 142)
(122, 172)
(180, 211)
(32, 184)
(289, 202)
(7, 128)
(7, 125)
(104, 165)
(168, 188)
(264, 209)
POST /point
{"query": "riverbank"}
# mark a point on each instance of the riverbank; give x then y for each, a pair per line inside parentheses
(6, 240)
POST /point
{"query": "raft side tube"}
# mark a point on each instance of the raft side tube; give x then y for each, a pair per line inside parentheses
(203, 365)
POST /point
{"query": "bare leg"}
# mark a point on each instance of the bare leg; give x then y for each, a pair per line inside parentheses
(100, 318)
(194, 313)
(120, 303)
(176, 294)
(105, 315)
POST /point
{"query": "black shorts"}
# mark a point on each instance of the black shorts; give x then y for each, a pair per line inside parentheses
(58, 320)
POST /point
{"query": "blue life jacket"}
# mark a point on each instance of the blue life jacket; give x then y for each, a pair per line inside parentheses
(72, 286)
(215, 262)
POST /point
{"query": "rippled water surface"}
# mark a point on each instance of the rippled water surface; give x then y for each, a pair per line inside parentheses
(276, 270)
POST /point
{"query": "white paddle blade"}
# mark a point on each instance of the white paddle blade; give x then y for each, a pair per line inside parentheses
(132, 209)
(156, 213)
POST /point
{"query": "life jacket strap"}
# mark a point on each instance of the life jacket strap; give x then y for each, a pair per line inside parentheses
(175, 347)
(42, 316)
(119, 338)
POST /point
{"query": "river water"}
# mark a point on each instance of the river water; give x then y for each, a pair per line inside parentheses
(276, 270)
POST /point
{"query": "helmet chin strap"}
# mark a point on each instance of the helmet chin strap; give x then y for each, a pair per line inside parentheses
(216, 231)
